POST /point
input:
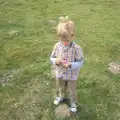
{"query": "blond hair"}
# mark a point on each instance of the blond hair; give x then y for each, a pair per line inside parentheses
(65, 29)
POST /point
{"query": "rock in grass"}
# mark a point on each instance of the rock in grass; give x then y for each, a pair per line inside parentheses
(114, 68)
(13, 33)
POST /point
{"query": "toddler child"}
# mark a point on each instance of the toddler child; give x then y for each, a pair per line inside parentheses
(67, 56)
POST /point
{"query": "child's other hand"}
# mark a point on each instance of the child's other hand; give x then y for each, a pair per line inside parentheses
(66, 65)
(58, 61)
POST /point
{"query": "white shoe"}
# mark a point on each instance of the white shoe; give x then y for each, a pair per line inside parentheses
(57, 101)
(73, 108)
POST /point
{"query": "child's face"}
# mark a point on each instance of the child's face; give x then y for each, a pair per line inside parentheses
(66, 43)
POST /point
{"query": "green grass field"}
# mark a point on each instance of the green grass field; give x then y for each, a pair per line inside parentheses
(26, 41)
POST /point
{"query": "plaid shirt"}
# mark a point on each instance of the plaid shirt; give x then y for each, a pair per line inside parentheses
(71, 53)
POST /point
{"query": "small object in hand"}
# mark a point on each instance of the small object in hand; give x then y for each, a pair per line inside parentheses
(58, 61)
(67, 65)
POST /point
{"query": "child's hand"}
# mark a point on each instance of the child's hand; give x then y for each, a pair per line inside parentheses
(58, 61)
(66, 65)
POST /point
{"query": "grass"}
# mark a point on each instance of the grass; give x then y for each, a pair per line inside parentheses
(27, 89)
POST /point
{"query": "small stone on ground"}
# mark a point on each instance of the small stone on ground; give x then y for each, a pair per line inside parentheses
(114, 67)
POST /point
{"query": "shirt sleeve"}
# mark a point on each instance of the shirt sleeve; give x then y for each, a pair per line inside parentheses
(77, 64)
(53, 55)
(79, 59)
(79, 54)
